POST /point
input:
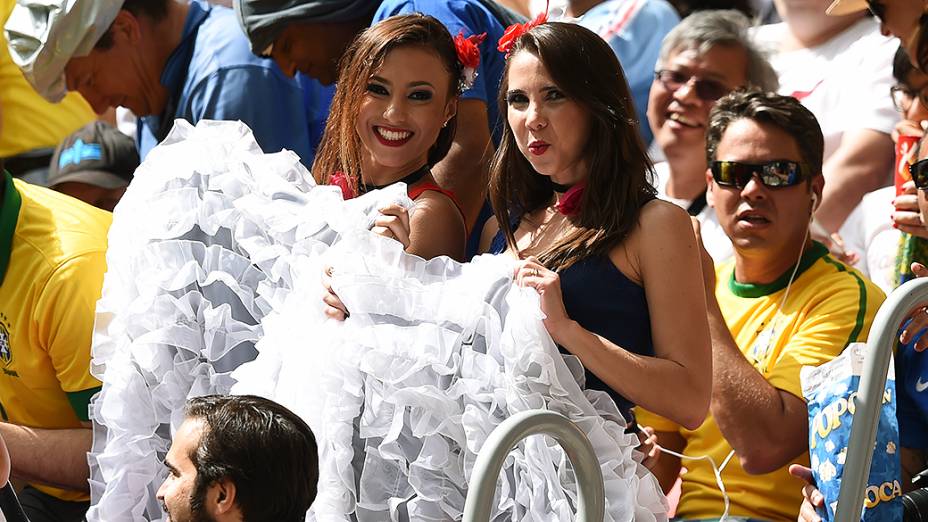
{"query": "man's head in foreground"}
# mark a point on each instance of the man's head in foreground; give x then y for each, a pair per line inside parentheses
(240, 458)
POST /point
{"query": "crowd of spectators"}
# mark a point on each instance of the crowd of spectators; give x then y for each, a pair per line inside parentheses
(698, 191)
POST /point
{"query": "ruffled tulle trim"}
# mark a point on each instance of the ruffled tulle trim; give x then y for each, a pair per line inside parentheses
(213, 286)
(403, 395)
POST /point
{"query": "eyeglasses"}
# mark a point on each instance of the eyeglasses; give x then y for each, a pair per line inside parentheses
(773, 174)
(706, 90)
(878, 10)
(919, 172)
(903, 97)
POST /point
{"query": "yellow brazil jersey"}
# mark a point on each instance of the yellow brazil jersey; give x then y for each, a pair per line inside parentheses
(829, 306)
(52, 261)
(27, 120)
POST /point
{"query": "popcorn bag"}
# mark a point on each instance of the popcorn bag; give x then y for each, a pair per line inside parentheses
(830, 391)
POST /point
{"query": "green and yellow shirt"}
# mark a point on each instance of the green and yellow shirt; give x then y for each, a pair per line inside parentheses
(52, 261)
(829, 306)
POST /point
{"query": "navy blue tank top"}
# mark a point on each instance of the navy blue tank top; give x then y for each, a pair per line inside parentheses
(604, 301)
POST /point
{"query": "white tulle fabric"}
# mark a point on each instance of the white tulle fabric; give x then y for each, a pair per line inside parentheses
(214, 286)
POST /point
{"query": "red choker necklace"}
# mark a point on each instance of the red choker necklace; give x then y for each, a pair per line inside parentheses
(571, 199)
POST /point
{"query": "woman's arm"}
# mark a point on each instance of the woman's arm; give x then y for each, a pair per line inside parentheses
(676, 382)
(436, 228)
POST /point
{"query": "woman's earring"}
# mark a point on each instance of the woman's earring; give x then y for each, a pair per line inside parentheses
(443, 125)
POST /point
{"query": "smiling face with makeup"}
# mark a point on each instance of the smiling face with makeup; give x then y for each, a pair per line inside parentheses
(407, 101)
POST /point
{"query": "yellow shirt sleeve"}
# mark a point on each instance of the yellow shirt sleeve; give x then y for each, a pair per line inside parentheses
(829, 326)
(653, 420)
(65, 315)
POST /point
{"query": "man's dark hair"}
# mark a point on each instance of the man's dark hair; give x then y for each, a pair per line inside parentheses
(263, 448)
(154, 10)
(784, 112)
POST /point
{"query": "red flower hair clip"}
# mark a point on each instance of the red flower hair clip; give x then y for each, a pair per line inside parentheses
(469, 56)
(514, 31)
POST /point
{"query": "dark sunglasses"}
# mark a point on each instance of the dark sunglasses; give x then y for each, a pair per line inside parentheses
(773, 174)
(919, 172)
(706, 90)
(877, 9)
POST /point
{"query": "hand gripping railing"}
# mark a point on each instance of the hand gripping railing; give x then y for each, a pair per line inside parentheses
(591, 503)
(869, 395)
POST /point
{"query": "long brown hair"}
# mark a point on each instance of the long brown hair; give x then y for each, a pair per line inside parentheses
(921, 46)
(341, 147)
(585, 68)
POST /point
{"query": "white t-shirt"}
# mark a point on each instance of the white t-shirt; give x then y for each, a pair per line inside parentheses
(845, 82)
(869, 233)
(713, 237)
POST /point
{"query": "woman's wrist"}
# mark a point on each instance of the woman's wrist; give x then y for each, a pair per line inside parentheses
(565, 331)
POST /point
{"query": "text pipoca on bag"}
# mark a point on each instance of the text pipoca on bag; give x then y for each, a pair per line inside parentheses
(835, 415)
(831, 391)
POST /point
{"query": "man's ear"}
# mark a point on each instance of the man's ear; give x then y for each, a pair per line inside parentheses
(818, 188)
(126, 28)
(221, 498)
(710, 198)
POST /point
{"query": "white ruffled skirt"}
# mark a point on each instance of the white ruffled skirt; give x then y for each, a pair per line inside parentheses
(213, 286)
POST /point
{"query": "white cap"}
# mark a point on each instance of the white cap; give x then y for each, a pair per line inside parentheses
(44, 34)
(845, 7)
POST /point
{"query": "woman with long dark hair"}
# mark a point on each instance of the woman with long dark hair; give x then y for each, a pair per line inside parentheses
(618, 270)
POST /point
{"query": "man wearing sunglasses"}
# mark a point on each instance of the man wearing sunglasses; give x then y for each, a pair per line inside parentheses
(783, 302)
(840, 68)
(703, 58)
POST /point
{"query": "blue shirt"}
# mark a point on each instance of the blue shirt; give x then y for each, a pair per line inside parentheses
(912, 396)
(635, 30)
(472, 17)
(213, 74)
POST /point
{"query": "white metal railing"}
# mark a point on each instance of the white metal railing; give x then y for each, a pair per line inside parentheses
(482, 487)
(880, 345)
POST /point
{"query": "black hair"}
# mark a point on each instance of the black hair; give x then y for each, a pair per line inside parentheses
(784, 112)
(154, 10)
(266, 450)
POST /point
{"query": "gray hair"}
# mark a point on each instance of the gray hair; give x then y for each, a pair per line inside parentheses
(704, 30)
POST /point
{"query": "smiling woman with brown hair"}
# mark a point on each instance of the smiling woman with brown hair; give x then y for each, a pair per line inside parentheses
(393, 119)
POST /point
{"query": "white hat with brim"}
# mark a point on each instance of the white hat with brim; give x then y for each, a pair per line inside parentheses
(43, 35)
(846, 7)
